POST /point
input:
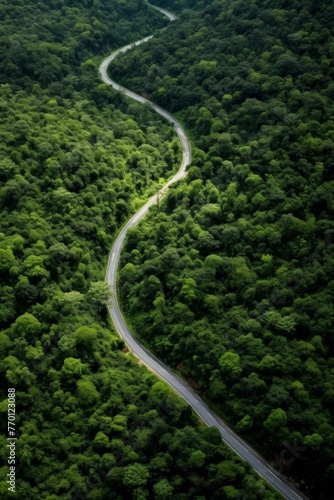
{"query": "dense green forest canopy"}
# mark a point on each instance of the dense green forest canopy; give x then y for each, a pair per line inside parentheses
(43, 41)
(230, 279)
(75, 161)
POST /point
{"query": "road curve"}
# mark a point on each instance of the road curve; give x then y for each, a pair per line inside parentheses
(245, 451)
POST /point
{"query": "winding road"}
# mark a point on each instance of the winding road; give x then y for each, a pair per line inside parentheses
(245, 451)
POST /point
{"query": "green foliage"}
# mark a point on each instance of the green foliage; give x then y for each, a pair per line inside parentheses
(243, 248)
(7, 259)
(275, 420)
(87, 392)
(86, 336)
(229, 364)
(74, 159)
(25, 326)
(163, 489)
(135, 475)
(99, 294)
(72, 367)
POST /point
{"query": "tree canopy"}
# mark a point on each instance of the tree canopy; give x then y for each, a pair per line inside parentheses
(242, 249)
(76, 159)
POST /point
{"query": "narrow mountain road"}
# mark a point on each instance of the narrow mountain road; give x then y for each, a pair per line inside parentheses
(246, 452)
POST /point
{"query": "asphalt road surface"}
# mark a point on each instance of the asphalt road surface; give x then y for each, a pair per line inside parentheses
(245, 451)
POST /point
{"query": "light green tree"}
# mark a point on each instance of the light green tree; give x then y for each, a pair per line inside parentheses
(163, 490)
(276, 419)
(99, 294)
(135, 475)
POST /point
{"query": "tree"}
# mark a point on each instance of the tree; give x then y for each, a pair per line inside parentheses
(99, 294)
(188, 290)
(25, 293)
(73, 299)
(85, 336)
(135, 475)
(72, 368)
(229, 364)
(33, 267)
(87, 392)
(197, 459)
(231, 492)
(27, 326)
(7, 259)
(314, 441)
(163, 489)
(276, 420)
(228, 471)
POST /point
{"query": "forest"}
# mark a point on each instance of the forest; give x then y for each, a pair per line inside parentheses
(230, 279)
(76, 159)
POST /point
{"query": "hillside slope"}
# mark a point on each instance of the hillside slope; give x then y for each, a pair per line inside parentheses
(230, 279)
(76, 160)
